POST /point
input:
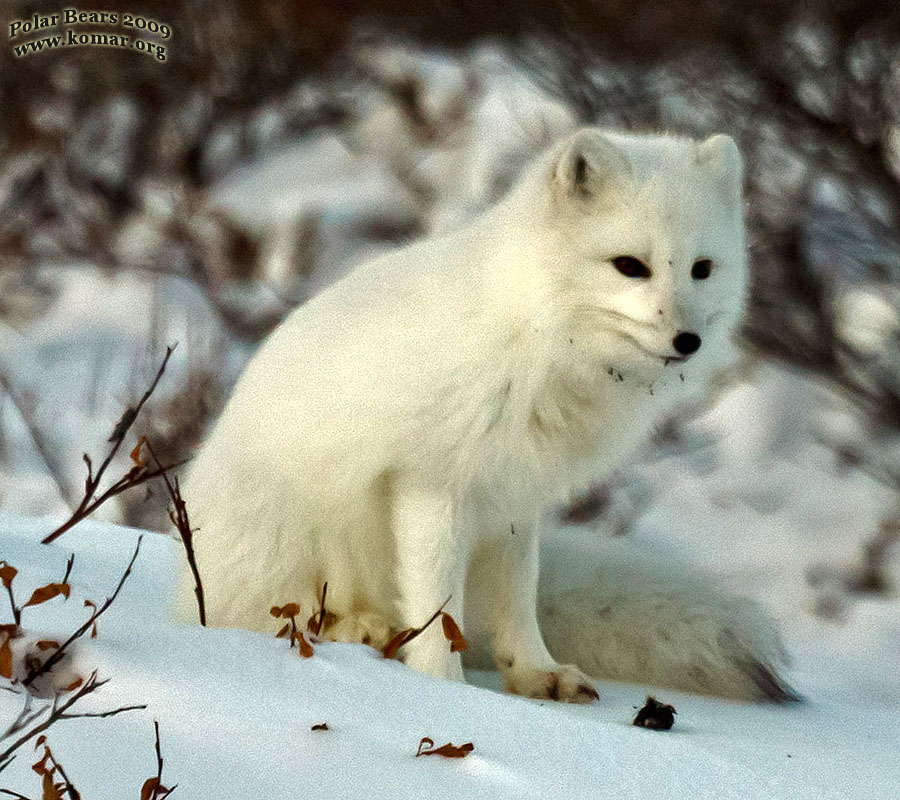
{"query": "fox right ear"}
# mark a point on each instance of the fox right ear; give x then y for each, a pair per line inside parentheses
(589, 166)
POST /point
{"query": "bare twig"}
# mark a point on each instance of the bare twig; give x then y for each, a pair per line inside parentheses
(25, 717)
(179, 516)
(321, 624)
(69, 564)
(103, 714)
(405, 637)
(134, 477)
(60, 712)
(57, 654)
(159, 758)
(11, 793)
(294, 634)
(153, 787)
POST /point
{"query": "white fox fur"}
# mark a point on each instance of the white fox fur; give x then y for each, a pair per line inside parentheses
(414, 420)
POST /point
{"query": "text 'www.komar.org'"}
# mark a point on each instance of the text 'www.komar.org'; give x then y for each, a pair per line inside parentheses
(80, 38)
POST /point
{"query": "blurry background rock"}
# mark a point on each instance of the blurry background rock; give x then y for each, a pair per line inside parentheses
(201, 198)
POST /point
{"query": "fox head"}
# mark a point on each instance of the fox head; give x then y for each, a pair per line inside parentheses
(646, 252)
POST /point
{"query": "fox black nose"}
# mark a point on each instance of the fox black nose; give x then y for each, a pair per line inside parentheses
(686, 343)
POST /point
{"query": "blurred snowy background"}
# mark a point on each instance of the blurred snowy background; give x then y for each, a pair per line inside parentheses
(199, 200)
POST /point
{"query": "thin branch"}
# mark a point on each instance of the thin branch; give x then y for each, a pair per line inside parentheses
(321, 625)
(25, 717)
(294, 634)
(69, 564)
(136, 476)
(159, 758)
(431, 619)
(104, 714)
(160, 792)
(59, 712)
(405, 637)
(57, 654)
(182, 523)
(11, 793)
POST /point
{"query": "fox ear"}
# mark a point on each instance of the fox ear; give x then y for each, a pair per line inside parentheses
(589, 166)
(720, 154)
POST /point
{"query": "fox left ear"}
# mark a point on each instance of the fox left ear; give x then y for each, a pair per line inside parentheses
(720, 154)
(589, 166)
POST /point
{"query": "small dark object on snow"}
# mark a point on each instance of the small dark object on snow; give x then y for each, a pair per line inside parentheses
(322, 726)
(655, 715)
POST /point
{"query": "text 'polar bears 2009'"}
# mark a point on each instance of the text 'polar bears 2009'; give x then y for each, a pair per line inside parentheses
(71, 37)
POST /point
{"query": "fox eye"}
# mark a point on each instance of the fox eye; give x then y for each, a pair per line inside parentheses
(701, 269)
(631, 267)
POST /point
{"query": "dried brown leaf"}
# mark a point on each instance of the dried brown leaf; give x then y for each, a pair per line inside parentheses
(74, 685)
(397, 641)
(47, 644)
(7, 573)
(427, 748)
(286, 611)
(93, 605)
(6, 660)
(284, 631)
(306, 649)
(148, 790)
(40, 767)
(322, 726)
(453, 634)
(48, 592)
(51, 790)
(136, 457)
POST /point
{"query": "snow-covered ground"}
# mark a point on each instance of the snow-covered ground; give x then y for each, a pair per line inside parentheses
(236, 708)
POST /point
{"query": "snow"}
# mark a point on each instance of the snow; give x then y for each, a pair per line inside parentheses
(317, 173)
(866, 318)
(235, 709)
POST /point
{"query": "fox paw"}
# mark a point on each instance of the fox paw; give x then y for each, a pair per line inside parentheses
(364, 627)
(565, 683)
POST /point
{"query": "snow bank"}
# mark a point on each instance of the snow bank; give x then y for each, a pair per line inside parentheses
(236, 708)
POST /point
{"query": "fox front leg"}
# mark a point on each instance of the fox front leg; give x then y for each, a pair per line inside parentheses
(431, 562)
(507, 591)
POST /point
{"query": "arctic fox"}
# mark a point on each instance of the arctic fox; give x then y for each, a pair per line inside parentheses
(400, 435)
